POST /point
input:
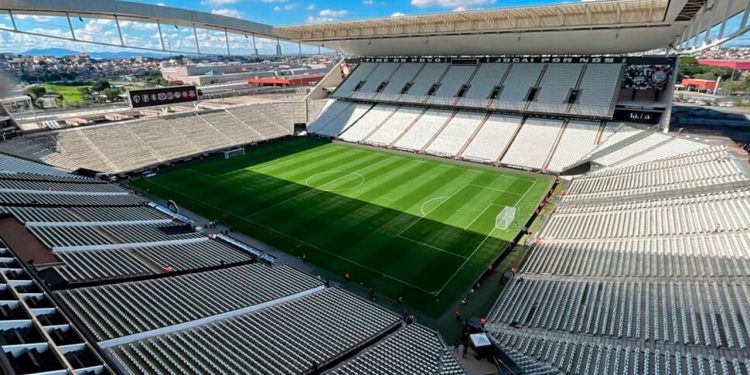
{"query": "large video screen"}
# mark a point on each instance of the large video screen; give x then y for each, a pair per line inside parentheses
(647, 76)
(162, 96)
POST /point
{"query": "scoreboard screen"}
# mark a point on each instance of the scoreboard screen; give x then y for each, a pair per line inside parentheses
(162, 96)
(647, 76)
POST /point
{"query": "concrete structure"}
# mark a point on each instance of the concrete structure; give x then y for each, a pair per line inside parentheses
(285, 81)
(202, 75)
(703, 85)
(619, 26)
(731, 64)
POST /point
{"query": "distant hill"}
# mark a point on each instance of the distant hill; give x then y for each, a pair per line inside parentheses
(60, 52)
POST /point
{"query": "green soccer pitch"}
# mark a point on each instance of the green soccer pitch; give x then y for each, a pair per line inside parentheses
(421, 228)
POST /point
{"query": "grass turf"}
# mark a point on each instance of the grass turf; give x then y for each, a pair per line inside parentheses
(406, 226)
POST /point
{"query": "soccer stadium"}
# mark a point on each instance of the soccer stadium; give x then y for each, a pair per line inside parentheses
(500, 182)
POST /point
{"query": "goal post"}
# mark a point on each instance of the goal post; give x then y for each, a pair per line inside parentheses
(505, 218)
(234, 152)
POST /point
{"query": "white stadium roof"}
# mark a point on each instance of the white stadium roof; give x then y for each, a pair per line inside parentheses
(587, 27)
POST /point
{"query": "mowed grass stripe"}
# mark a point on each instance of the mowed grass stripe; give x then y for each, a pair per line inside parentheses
(352, 224)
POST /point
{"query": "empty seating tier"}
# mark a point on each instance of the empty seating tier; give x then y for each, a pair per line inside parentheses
(689, 312)
(360, 73)
(368, 123)
(428, 76)
(348, 116)
(598, 89)
(640, 269)
(90, 265)
(533, 143)
(403, 75)
(555, 88)
(289, 338)
(703, 255)
(58, 199)
(135, 145)
(397, 354)
(127, 308)
(12, 165)
(387, 133)
(455, 135)
(493, 138)
(516, 87)
(486, 79)
(579, 137)
(423, 130)
(568, 355)
(581, 89)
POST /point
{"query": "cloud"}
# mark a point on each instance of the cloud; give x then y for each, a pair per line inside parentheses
(398, 14)
(35, 18)
(291, 6)
(329, 13)
(456, 5)
(368, 2)
(227, 12)
(310, 7)
(218, 2)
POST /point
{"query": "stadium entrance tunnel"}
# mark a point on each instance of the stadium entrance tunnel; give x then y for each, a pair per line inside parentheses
(425, 259)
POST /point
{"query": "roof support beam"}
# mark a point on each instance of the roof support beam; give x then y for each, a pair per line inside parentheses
(12, 20)
(70, 25)
(226, 39)
(195, 34)
(119, 31)
(745, 15)
(727, 14)
(710, 23)
(161, 36)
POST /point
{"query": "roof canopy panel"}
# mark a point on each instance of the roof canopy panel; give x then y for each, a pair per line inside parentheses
(564, 16)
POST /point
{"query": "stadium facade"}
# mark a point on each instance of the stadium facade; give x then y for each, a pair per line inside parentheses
(641, 266)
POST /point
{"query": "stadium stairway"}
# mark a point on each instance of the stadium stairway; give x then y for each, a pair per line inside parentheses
(510, 143)
(474, 134)
(553, 149)
(408, 127)
(437, 133)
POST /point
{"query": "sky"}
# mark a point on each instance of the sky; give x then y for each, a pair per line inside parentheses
(273, 12)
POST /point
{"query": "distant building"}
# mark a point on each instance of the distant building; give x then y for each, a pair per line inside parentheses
(214, 74)
(702, 85)
(286, 81)
(731, 64)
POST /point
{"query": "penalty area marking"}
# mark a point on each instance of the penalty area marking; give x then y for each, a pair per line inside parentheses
(425, 213)
(344, 174)
(483, 241)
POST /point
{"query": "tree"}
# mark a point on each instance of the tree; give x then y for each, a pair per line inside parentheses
(100, 85)
(112, 93)
(35, 91)
(729, 87)
(708, 75)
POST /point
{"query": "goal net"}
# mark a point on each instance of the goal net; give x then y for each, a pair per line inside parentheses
(236, 152)
(505, 218)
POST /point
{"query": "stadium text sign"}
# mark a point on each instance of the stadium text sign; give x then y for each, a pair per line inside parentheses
(162, 96)
(501, 59)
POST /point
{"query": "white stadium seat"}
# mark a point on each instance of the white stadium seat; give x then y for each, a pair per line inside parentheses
(579, 137)
(456, 134)
(368, 123)
(423, 130)
(392, 129)
(493, 138)
(533, 143)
